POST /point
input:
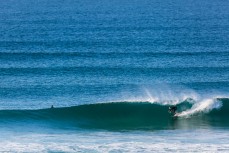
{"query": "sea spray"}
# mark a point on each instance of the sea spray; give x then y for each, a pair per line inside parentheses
(165, 94)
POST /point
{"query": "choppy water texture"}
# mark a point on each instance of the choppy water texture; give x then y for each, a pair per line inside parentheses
(111, 69)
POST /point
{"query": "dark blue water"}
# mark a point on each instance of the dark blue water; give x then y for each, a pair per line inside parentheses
(135, 58)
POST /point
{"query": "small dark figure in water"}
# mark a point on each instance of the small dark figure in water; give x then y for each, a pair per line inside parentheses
(172, 109)
(52, 107)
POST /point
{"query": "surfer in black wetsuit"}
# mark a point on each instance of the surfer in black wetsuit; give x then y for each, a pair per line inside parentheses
(172, 109)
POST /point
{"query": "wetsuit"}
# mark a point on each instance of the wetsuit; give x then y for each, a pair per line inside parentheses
(172, 109)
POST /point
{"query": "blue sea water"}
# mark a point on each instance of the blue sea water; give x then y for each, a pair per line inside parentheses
(111, 69)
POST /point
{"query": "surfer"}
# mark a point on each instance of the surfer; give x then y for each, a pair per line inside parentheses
(172, 109)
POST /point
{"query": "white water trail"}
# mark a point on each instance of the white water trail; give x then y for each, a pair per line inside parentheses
(203, 106)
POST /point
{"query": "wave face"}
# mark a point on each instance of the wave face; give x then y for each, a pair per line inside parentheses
(125, 116)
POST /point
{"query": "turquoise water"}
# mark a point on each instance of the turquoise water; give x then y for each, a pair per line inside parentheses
(111, 69)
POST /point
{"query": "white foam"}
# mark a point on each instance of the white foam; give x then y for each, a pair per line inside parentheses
(203, 106)
(123, 142)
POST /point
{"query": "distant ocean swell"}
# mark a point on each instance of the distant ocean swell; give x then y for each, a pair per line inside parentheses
(125, 115)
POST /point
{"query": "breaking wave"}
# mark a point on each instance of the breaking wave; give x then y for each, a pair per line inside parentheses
(125, 115)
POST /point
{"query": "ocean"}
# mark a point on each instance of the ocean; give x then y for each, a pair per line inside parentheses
(100, 76)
